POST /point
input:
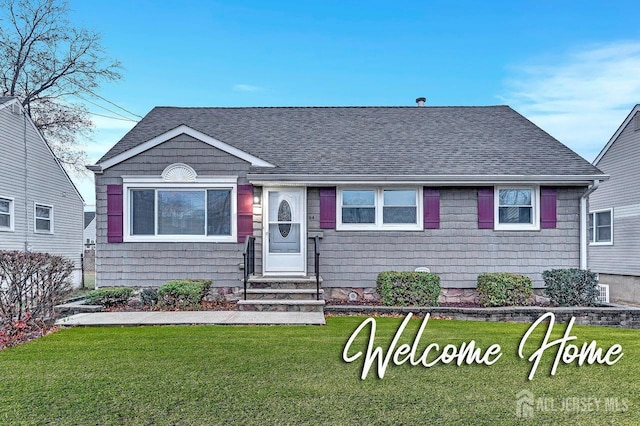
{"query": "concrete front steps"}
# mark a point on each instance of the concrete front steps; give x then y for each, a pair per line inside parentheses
(282, 294)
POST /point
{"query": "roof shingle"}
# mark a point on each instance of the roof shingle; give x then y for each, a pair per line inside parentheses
(491, 140)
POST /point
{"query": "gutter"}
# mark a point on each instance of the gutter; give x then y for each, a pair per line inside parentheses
(584, 230)
(260, 179)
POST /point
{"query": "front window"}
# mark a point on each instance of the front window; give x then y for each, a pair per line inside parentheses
(358, 206)
(601, 227)
(6, 214)
(181, 213)
(379, 208)
(517, 208)
(44, 219)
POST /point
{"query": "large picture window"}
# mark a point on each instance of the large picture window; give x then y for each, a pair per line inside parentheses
(517, 208)
(379, 208)
(601, 227)
(181, 213)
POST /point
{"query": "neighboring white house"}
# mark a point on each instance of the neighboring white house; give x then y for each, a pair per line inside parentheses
(614, 249)
(89, 235)
(40, 208)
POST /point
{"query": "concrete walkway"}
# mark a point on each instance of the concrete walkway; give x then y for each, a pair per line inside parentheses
(192, 317)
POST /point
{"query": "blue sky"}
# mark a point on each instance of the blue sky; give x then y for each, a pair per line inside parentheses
(572, 67)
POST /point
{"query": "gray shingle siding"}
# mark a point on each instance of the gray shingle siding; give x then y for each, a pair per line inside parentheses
(146, 264)
(620, 193)
(37, 178)
(458, 251)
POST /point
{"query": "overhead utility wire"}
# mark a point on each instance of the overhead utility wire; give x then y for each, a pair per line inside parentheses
(103, 98)
(104, 108)
(113, 118)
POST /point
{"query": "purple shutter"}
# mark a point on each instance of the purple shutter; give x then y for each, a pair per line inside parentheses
(114, 213)
(485, 208)
(327, 208)
(245, 212)
(431, 208)
(548, 207)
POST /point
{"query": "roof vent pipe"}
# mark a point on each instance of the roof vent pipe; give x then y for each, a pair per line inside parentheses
(421, 101)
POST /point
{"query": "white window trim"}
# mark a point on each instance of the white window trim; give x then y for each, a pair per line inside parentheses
(379, 203)
(593, 224)
(50, 219)
(137, 182)
(534, 226)
(11, 215)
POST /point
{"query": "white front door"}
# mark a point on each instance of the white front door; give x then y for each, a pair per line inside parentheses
(285, 230)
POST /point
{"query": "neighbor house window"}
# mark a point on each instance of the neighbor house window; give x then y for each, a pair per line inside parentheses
(182, 213)
(517, 208)
(44, 218)
(379, 208)
(6, 214)
(601, 227)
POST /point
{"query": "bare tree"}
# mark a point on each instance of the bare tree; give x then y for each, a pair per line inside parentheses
(50, 65)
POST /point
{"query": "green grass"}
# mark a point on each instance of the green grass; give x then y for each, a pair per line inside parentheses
(295, 375)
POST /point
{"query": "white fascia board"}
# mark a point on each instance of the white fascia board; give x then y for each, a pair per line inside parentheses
(434, 180)
(624, 124)
(183, 129)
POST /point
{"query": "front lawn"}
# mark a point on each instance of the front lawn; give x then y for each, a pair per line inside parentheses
(296, 375)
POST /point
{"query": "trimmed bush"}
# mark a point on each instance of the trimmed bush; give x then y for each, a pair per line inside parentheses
(183, 293)
(148, 296)
(408, 288)
(571, 287)
(504, 289)
(109, 296)
(31, 285)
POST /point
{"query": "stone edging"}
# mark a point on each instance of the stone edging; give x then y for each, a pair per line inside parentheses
(613, 316)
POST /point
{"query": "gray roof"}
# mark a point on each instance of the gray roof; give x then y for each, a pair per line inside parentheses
(487, 140)
(4, 99)
(88, 217)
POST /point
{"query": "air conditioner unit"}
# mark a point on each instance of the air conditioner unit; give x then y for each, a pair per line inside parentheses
(603, 293)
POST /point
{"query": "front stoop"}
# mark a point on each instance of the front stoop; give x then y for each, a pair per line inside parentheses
(282, 294)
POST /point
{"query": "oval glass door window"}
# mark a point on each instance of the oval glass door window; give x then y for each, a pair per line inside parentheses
(284, 215)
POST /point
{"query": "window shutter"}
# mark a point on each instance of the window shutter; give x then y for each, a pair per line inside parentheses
(485, 208)
(327, 208)
(548, 210)
(245, 212)
(114, 213)
(431, 208)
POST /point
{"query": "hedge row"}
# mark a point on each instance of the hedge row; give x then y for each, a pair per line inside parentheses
(564, 287)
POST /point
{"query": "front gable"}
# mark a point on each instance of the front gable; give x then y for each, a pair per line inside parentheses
(178, 131)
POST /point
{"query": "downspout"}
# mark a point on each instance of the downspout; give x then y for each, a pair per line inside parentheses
(27, 246)
(584, 230)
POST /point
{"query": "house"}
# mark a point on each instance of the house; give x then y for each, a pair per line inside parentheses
(459, 190)
(40, 208)
(89, 234)
(614, 214)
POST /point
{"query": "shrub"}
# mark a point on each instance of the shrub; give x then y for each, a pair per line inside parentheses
(183, 293)
(504, 289)
(571, 287)
(32, 284)
(408, 288)
(148, 296)
(110, 296)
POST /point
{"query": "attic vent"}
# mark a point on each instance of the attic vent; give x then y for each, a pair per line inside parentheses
(15, 108)
(636, 121)
(179, 172)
